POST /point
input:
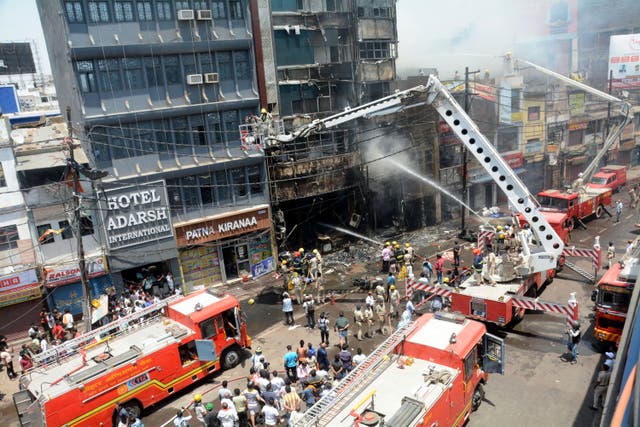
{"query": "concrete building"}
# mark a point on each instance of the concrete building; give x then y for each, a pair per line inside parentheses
(158, 90)
(329, 55)
(19, 275)
(45, 182)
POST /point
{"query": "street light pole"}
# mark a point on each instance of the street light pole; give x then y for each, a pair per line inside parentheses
(72, 165)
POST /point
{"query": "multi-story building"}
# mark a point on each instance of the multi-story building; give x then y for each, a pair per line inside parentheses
(158, 90)
(329, 55)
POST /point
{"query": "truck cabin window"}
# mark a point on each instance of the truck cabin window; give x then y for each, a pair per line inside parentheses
(208, 329)
(188, 353)
(471, 361)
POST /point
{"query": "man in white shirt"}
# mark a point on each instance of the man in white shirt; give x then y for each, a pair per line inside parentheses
(271, 414)
(67, 319)
(227, 416)
(359, 357)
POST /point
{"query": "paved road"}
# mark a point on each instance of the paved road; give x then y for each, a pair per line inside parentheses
(538, 387)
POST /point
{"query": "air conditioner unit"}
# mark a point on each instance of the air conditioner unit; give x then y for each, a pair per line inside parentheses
(185, 15)
(204, 15)
(194, 79)
(211, 78)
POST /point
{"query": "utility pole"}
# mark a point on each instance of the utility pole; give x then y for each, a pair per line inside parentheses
(74, 169)
(464, 234)
(608, 115)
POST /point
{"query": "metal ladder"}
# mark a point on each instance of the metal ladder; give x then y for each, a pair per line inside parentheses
(581, 271)
(71, 347)
(330, 405)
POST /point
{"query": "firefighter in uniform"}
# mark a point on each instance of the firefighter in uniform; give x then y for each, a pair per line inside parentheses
(478, 263)
(358, 317)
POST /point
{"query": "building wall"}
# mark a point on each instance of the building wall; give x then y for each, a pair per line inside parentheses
(133, 81)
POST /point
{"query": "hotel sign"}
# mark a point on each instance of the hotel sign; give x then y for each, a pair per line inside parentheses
(136, 215)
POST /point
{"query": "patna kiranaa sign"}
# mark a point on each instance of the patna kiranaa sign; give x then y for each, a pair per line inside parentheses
(136, 215)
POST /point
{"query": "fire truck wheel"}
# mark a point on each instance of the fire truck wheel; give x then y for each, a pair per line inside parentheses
(230, 358)
(478, 397)
(518, 315)
(599, 211)
(135, 407)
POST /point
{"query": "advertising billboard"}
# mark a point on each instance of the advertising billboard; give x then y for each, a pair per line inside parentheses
(16, 58)
(624, 61)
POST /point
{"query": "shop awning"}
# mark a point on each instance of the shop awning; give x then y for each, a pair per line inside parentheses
(483, 179)
(47, 160)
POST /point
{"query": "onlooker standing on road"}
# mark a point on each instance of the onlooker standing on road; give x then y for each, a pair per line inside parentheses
(456, 254)
(7, 361)
(439, 267)
(618, 210)
(600, 387)
(323, 357)
(227, 416)
(323, 325)
(291, 401)
(342, 327)
(310, 311)
(67, 319)
(287, 308)
(291, 363)
(573, 334)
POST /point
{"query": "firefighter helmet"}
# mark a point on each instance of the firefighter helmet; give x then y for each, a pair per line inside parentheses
(499, 228)
(197, 398)
(407, 245)
(394, 243)
(445, 280)
(263, 111)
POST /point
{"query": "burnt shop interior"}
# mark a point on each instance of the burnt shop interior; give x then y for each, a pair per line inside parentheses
(154, 275)
(237, 257)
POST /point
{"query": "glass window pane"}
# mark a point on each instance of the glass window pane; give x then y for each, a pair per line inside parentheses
(255, 179)
(239, 182)
(243, 71)
(8, 237)
(225, 67)
(67, 232)
(144, 11)
(207, 192)
(231, 123)
(218, 10)
(222, 186)
(172, 69)
(154, 72)
(235, 9)
(163, 10)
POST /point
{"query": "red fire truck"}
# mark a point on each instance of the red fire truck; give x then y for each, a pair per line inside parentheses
(429, 372)
(613, 293)
(578, 205)
(138, 361)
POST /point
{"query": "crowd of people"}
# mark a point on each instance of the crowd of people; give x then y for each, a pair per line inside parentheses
(58, 326)
(301, 270)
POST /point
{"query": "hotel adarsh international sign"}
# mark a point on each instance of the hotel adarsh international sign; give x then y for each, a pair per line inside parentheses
(136, 215)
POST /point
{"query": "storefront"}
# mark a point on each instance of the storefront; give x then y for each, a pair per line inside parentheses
(19, 287)
(138, 232)
(64, 288)
(226, 247)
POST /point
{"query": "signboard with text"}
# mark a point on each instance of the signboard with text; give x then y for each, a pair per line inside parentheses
(624, 60)
(71, 273)
(136, 215)
(17, 281)
(222, 226)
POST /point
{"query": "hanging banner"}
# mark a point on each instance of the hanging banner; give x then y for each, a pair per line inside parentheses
(18, 281)
(71, 273)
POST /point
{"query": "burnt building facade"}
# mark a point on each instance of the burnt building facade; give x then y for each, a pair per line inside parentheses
(329, 56)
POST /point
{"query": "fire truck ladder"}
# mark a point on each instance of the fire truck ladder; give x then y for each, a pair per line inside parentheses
(581, 271)
(330, 405)
(71, 347)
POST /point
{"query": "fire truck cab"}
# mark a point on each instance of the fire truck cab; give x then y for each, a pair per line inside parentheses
(577, 205)
(433, 377)
(137, 360)
(613, 295)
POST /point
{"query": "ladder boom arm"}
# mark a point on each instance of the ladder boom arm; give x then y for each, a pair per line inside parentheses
(350, 114)
(487, 156)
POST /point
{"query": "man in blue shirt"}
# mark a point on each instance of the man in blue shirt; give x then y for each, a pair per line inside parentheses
(291, 363)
